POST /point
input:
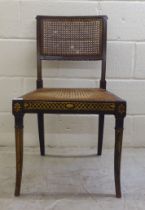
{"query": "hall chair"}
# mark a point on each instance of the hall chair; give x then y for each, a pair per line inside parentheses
(70, 38)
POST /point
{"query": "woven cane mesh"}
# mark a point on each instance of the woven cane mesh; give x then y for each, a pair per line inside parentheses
(70, 94)
(68, 36)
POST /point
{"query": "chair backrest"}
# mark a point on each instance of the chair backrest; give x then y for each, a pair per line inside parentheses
(71, 38)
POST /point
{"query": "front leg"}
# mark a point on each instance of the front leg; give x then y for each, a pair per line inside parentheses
(19, 151)
(117, 153)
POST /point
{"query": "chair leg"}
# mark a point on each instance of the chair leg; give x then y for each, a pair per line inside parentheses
(100, 133)
(41, 133)
(19, 152)
(117, 154)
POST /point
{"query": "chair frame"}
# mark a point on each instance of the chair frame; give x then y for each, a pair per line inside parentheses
(117, 108)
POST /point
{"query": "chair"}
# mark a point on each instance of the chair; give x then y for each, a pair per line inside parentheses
(74, 38)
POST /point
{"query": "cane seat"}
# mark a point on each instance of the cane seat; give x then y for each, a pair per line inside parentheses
(71, 94)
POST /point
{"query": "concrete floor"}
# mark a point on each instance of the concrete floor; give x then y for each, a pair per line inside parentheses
(72, 179)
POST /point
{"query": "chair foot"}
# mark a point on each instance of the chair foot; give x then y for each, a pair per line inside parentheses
(118, 195)
(99, 153)
(17, 192)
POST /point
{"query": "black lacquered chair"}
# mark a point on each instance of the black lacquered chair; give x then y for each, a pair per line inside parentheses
(76, 39)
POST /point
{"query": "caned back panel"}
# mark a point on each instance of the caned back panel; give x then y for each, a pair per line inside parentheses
(71, 38)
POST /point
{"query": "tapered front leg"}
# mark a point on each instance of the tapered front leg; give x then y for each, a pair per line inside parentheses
(117, 154)
(19, 152)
